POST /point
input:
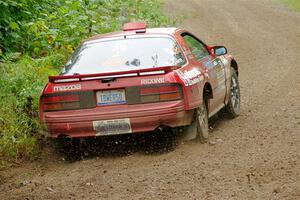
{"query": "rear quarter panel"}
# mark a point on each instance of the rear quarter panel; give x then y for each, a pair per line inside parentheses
(191, 76)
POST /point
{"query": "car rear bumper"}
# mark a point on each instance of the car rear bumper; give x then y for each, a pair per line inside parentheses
(142, 118)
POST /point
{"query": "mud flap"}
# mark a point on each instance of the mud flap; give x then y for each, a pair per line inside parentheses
(190, 132)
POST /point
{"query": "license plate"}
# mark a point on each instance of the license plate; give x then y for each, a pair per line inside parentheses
(111, 97)
(112, 127)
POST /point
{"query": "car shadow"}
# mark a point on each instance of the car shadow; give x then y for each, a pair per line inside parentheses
(151, 143)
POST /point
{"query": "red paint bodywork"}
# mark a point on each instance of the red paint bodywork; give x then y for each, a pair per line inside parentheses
(148, 116)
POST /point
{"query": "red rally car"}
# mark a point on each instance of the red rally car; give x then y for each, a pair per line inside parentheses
(140, 80)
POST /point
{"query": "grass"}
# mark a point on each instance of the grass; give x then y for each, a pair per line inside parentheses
(21, 82)
(293, 4)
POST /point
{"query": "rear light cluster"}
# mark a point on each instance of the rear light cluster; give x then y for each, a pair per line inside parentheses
(63, 102)
(87, 99)
(67, 101)
(158, 93)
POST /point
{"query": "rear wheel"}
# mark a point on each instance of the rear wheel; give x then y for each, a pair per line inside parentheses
(198, 129)
(201, 120)
(233, 105)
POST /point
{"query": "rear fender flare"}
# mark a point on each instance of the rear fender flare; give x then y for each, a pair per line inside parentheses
(207, 93)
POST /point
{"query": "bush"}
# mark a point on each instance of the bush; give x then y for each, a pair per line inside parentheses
(20, 85)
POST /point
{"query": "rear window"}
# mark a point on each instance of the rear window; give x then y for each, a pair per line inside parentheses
(123, 55)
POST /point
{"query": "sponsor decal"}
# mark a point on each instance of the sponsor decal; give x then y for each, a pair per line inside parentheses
(192, 73)
(208, 64)
(191, 77)
(220, 72)
(67, 87)
(224, 60)
(152, 81)
(215, 62)
(196, 80)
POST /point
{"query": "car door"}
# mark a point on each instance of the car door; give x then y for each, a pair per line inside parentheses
(215, 70)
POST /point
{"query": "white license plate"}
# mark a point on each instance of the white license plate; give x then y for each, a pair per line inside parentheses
(111, 97)
(112, 127)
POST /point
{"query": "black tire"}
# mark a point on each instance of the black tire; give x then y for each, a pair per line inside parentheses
(233, 105)
(201, 120)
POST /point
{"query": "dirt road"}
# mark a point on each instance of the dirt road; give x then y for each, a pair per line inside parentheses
(256, 156)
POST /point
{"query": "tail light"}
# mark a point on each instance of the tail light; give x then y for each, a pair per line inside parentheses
(67, 101)
(87, 99)
(57, 102)
(158, 93)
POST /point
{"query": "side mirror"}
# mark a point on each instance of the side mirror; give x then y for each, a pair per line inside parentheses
(219, 50)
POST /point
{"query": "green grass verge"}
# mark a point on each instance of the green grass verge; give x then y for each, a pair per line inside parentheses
(293, 4)
(20, 85)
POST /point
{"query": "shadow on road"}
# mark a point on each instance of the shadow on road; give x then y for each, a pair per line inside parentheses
(116, 146)
(151, 143)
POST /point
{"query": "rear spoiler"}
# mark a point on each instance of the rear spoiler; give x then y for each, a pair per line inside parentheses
(140, 72)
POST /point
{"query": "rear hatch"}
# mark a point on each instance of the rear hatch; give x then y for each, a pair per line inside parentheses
(123, 70)
(73, 92)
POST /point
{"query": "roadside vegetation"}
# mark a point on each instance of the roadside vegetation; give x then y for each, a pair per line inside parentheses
(293, 4)
(36, 37)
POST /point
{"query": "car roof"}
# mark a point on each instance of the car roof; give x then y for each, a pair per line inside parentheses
(163, 31)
